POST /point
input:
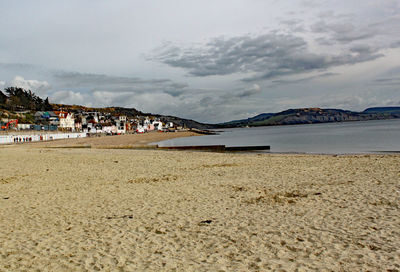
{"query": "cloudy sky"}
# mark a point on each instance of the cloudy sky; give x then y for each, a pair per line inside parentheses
(210, 60)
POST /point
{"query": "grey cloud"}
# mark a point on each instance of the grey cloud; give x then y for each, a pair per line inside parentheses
(326, 75)
(70, 97)
(324, 41)
(345, 29)
(39, 87)
(118, 84)
(212, 105)
(237, 95)
(227, 56)
(246, 93)
(74, 79)
(174, 93)
(291, 22)
(395, 81)
(395, 44)
(115, 98)
(312, 3)
(206, 101)
(268, 56)
(338, 17)
(66, 80)
(9, 71)
(393, 72)
(18, 66)
(305, 79)
(343, 32)
(293, 25)
(351, 35)
(319, 27)
(361, 49)
(297, 63)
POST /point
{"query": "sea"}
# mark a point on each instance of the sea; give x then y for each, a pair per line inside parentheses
(359, 137)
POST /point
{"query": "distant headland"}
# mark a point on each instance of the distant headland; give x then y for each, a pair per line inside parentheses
(314, 115)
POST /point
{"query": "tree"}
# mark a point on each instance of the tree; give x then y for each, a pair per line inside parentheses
(18, 98)
(47, 105)
(3, 98)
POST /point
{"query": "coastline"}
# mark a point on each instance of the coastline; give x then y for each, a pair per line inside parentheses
(334, 138)
(95, 209)
(117, 141)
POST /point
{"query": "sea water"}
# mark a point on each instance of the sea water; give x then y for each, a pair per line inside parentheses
(328, 138)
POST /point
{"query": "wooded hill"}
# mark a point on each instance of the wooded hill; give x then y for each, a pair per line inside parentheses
(18, 99)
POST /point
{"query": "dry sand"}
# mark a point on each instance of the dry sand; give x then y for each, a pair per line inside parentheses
(130, 210)
(117, 140)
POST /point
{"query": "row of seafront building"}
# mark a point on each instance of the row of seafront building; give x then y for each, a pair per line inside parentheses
(52, 125)
(89, 122)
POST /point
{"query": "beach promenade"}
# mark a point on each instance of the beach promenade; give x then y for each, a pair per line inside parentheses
(88, 209)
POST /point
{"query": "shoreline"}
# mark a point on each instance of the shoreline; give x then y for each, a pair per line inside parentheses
(129, 140)
(149, 140)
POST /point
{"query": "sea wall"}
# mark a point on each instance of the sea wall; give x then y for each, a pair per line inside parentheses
(22, 138)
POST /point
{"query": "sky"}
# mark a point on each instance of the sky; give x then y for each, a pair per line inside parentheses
(211, 61)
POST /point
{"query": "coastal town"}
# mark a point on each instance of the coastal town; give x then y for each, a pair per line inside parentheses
(25, 117)
(88, 122)
(51, 125)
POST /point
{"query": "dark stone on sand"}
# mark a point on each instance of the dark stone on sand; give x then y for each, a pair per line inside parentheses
(205, 222)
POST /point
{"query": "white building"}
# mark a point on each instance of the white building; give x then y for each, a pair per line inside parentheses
(109, 129)
(140, 129)
(146, 122)
(157, 124)
(121, 125)
(67, 121)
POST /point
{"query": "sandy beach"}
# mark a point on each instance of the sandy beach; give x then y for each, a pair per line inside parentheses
(87, 209)
(117, 140)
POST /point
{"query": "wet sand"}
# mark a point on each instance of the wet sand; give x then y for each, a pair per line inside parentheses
(130, 210)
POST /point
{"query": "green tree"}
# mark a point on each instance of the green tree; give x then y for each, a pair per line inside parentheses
(3, 98)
